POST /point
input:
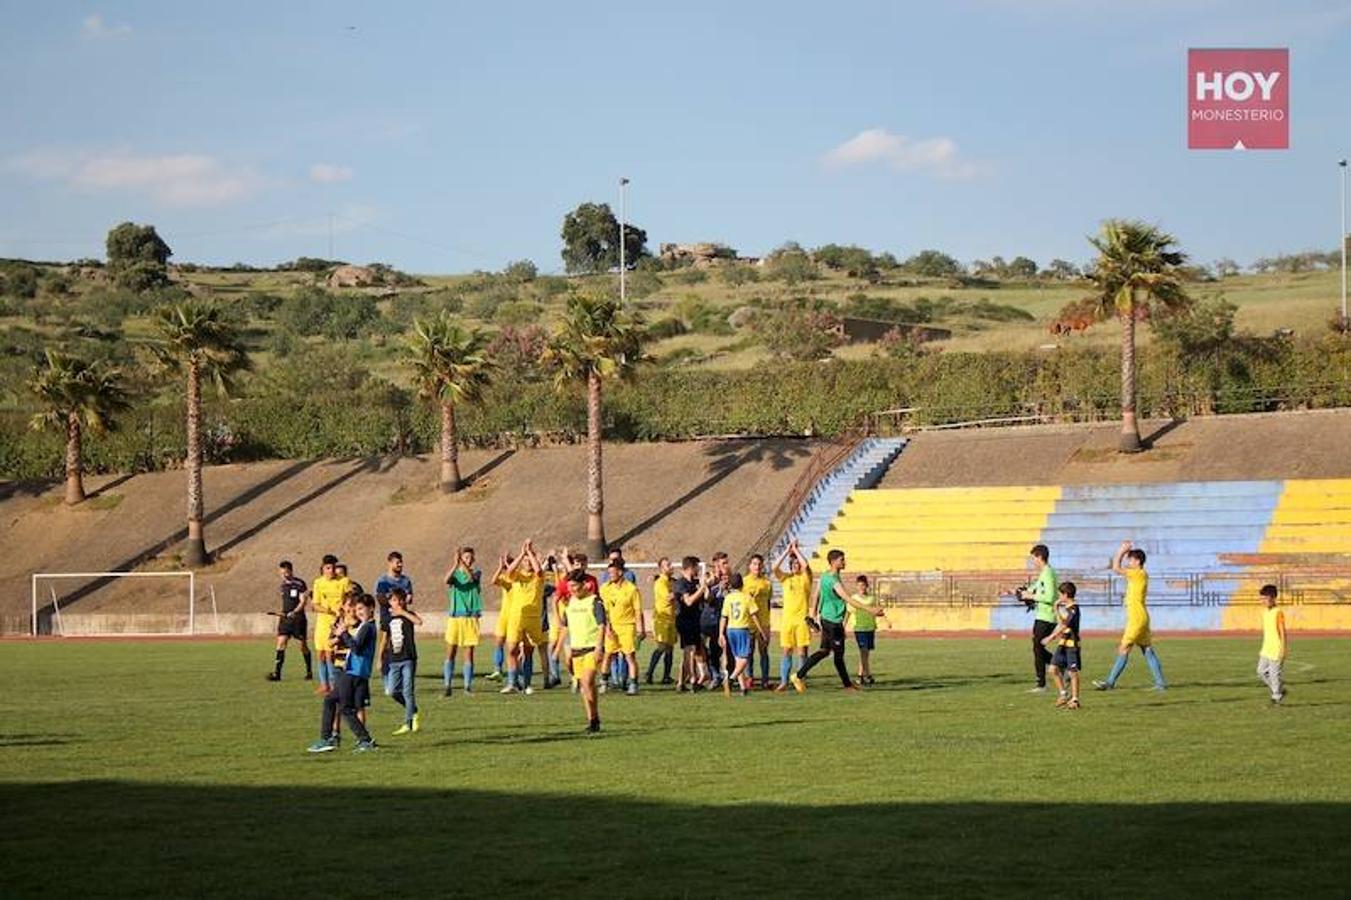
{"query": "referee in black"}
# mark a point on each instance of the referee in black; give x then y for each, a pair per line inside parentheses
(291, 623)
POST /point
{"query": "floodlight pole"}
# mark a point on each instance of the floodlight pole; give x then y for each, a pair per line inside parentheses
(623, 182)
(1341, 163)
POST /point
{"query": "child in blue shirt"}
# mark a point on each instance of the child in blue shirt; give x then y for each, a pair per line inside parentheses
(353, 688)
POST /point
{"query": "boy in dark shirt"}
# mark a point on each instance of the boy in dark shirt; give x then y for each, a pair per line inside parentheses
(291, 624)
(402, 653)
(354, 683)
(1065, 662)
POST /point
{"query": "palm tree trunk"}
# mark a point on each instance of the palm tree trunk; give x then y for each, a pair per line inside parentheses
(1130, 428)
(194, 551)
(74, 460)
(450, 451)
(595, 489)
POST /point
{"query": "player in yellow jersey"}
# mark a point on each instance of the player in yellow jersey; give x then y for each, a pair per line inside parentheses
(1129, 563)
(758, 588)
(524, 580)
(624, 612)
(584, 628)
(326, 595)
(740, 626)
(1271, 658)
(663, 622)
(795, 636)
(503, 616)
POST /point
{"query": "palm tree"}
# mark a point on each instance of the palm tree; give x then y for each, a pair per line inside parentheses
(595, 341)
(196, 339)
(1138, 266)
(450, 367)
(77, 395)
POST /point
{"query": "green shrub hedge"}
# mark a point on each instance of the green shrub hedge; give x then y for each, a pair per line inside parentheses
(373, 416)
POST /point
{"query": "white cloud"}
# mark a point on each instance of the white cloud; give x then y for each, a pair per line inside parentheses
(932, 156)
(186, 179)
(94, 27)
(326, 173)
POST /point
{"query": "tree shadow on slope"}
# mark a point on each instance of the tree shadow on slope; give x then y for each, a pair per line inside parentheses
(123, 839)
(725, 457)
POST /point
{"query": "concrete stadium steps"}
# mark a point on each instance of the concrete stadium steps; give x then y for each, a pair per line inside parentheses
(860, 471)
(1220, 533)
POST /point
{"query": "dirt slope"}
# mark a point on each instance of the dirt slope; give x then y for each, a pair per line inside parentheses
(1315, 444)
(662, 499)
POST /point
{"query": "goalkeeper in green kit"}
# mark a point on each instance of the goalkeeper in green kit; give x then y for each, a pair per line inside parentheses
(1040, 598)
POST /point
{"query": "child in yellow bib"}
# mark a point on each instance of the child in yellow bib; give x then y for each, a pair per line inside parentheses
(1271, 658)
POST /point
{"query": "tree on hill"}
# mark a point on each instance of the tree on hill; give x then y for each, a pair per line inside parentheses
(1062, 270)
(77, 395)
(451, 367)
(591, 240)
(1138, 268)
(138, 258)
(198, 340)
(596, 341)
(933, 264)
(1021, 267)
(790, 264)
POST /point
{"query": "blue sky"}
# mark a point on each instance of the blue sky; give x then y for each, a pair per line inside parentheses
(448, 137)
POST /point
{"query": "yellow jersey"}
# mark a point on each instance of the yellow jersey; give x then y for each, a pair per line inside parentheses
(663, 604)
(797, 593)
(758, 588)
(327, 594)
(527, 596)
(1137, 586)
(623, 602)
(1273, 641)
(739, 609)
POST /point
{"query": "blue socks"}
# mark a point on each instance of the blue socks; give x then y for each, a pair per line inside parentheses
(527, 670)
(556, 668)
(468, 676)
(785, 667)
(1155, 667)
(764, 663)
(499, 656)
(447, 673)
(1118, 667)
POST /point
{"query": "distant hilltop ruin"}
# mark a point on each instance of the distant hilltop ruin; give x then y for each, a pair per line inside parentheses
(702, 255)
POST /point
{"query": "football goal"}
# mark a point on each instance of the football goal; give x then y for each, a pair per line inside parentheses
(51, 591)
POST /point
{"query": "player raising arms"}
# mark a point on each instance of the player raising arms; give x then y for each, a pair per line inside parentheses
(663, 621)
(795, 635)
(1130, 564)
(523, 607)
(465, 608)
(291, 622)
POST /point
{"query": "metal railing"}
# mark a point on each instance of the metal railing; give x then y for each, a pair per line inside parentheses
(1325, 585)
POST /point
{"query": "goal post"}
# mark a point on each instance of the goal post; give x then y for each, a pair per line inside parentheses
(137, 624)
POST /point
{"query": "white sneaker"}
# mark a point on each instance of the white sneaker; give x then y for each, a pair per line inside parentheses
(528, 690)
(509, 689)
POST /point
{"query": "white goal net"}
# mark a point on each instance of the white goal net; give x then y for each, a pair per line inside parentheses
(134, 604)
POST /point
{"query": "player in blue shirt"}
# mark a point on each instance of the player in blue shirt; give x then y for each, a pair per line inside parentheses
(353, 689)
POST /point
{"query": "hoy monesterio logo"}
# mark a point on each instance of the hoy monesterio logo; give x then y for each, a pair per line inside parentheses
(1238, 99)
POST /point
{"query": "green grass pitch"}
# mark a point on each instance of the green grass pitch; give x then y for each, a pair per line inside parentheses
(173, 769)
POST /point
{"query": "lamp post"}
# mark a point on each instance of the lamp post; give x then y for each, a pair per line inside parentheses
(1341, 164)
(623, 182)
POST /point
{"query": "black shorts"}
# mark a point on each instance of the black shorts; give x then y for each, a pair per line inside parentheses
(832, 635)
(354, 692)
(689, 634)
(1066, 659)
(293, 627)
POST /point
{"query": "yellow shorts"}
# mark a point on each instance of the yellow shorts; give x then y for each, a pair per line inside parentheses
(462, 631)
(664, 630)
(584, 665)
(323, 631)
(793, 636)
(500, 626)
(621, 639)
(532, 632)
(1137, 633)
